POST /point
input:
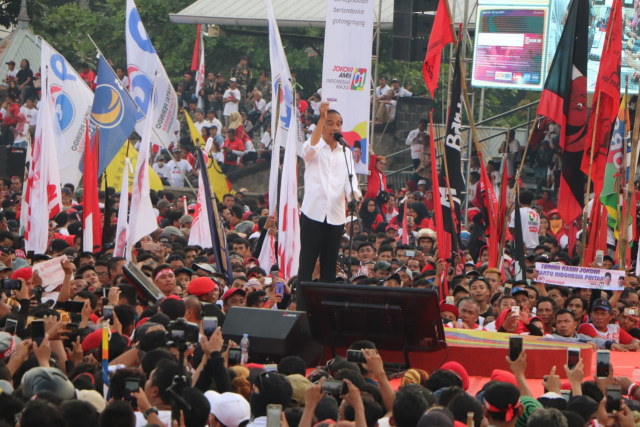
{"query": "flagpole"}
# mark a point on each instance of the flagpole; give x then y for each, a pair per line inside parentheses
(632, 169)
(623, 241)
(587, 193)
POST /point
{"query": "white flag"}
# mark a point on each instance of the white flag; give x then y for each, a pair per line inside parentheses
(123, 209)
(200, 73)
(142, 220)
(43, 186)
(72, 100)
(146, 73)
(200, 234)
(281, 93)
(288, 215)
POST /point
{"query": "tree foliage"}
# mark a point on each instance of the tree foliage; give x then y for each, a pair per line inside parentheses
(66, 24)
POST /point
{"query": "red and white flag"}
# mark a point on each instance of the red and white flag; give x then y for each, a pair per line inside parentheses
(43, 183)
(288, 216)
(200, 234)
(123, 210)
(92, 224)
(142, 219)
(200, 71)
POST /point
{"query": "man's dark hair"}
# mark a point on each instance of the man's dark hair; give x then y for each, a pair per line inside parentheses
(200, 408)
(118, 380)
(385, 248)
(372, 412)
(244, 242)
(547, 299)
(118, 414)
(39, 413)
(129, 293)
(79, 413)
(365, 244)
(113, 262)
(237, 211)
(162, 377)
(565, 311)
(408, 407)
(153, 358)
(158, 269)
(464, 403)
(11, 406)
(584, 406)
(84, 268)
(290, 365)
(254, 299)
(441, 379)
(93, 300)
(126, 315)
(591, 389)
(526, 197)
(501, 396)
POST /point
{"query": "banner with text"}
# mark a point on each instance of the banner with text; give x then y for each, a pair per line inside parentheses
(346, 69)
(580, 277)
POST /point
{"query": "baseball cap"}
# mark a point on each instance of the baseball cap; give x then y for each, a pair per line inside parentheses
(601, 303)
(205, 267)
(232, 292)
(47, 379)
(10, 62)
(518, 290)
(231, 409)
(201, 286)
(232, 79)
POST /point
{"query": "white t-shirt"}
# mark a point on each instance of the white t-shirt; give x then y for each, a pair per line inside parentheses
(215, 122)
(382, 91)
(530, 226)
(178, 169)
(266, 141)
(165, 417)
(259, 105)
(162, 170)
(415, 143)
(230, 107)
(31, 114)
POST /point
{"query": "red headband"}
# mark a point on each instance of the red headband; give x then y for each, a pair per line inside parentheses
(509, 411)
(162, 272)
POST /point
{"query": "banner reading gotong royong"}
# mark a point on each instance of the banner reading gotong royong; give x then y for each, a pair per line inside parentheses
(346, 69)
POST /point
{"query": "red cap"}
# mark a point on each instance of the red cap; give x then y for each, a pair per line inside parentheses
(201, 286)
(93, 340)
(504, 376)
(232, 292)
(252, 259)
(24, 273)
(458, 369)
(448, 307)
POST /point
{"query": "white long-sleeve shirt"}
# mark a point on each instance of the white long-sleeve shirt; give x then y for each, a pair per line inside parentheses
(326, 182)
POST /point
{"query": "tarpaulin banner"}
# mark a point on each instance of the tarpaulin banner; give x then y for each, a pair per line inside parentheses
(580, 277)
(346, 69)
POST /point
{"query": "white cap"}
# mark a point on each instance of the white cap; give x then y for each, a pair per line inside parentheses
(230, 409)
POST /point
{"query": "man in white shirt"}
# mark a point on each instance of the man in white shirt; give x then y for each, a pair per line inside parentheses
(361, 167)
(231, 100)
(12, 73)
(123, 77)
(417, 140)
(258, 107)
(179, 168)
(530, 221)
(160, 167)
(30, 113)
(399, 91)
(383, 89)
(199, 121)
(327, 186)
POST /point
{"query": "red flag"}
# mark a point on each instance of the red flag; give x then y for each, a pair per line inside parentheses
(491, 205)
(92, 224)
(441, 35)
(443, 254)
(195, 59)
(564, 101)
(606, 101)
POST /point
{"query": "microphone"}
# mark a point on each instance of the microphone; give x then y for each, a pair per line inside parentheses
(338, 137)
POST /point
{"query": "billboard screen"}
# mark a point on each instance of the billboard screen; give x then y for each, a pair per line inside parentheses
(507, 53)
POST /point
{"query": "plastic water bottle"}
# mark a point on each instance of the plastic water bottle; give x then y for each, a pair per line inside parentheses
(244, 347)
(635, 376)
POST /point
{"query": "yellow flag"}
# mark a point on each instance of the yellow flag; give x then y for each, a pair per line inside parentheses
(116, 168)
(220, 184)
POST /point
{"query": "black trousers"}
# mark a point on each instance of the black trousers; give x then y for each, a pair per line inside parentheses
(318, 240)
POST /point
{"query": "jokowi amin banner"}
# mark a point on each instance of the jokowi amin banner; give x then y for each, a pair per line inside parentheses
(346, 69)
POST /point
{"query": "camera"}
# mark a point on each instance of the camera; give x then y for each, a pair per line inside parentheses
(181, 332)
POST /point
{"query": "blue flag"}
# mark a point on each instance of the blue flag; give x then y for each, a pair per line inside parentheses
(113, 111)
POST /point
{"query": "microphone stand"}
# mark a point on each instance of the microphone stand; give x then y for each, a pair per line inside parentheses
(353, 207)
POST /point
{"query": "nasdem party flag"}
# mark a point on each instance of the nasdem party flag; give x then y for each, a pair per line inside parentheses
(114, 112)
